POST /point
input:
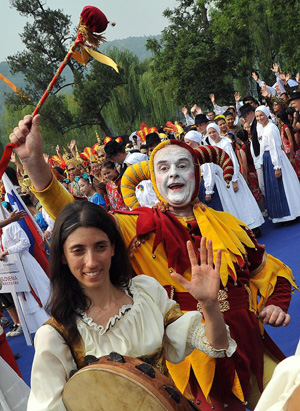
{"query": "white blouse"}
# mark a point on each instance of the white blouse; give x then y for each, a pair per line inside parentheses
(137, 330)
(227, 147)
(271, 141)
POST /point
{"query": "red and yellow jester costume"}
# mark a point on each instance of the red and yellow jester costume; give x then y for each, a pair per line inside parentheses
(250, 280)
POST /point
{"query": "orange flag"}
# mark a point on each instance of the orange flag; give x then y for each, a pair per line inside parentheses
(12, 86)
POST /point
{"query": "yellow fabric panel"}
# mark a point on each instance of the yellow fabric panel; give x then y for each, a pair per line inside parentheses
(264, 282)
(180, 373)
(54, 198)
(227, 235)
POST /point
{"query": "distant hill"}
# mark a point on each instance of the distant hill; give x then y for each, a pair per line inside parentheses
(137, 45)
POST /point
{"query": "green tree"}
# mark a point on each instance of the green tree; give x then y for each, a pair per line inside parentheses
(189, 60)
(47, 41)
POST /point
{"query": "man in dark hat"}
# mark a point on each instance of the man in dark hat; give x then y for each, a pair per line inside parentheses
(201, 122)
(116, 152)
(295, 100)
(152, 140)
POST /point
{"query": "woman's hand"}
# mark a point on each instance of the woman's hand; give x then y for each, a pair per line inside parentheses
(3, 254)
(235, 186)
(237, 97)
(28, 138)
(205, 283)
(277, 173)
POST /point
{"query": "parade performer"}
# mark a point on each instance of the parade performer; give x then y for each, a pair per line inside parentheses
(96, 308)
(253, 284)
(74, 169)
(14, 240)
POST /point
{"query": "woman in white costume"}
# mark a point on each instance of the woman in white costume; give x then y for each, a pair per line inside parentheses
(282, 187)
(245, 206)
(14, 240)
(212, 191)
(102, 309)
(283, 391)
(14, 392)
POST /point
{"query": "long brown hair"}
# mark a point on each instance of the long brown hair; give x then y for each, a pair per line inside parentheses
(67, 296)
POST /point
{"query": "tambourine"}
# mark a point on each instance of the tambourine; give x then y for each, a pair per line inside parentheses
(117, 383)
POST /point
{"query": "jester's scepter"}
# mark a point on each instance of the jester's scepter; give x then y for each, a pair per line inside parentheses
(92, 23)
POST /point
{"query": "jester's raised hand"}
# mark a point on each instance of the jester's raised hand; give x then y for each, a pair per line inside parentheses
(205, 282)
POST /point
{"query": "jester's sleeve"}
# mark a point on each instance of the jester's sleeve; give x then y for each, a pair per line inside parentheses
(271, 281)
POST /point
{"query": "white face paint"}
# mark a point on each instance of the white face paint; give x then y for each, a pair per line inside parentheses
(175, 175)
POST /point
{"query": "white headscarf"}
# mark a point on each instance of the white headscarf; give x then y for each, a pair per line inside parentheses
(194, 135)
(213, 125)
(136, 158)
(264, 109)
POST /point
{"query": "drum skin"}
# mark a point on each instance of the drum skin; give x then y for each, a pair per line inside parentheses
(114, 386)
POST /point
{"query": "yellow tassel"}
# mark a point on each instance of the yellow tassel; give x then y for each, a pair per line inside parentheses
(90, 37)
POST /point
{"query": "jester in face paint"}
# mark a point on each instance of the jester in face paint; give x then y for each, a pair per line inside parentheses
(174, 170)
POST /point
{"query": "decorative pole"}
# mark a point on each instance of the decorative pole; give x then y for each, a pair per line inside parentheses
(92, 22)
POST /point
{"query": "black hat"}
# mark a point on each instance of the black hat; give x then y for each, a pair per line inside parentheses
(245, 109)
(113, 147)
(294, 96)
(201, 119)
(152, 138)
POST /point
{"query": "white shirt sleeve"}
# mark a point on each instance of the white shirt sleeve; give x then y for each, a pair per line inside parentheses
(208, 176)
(48, 220)
(51, 367)
(189, 120)
(275, 146)
(187, 332)
(219, 109)
(285, 380)
(18, 237)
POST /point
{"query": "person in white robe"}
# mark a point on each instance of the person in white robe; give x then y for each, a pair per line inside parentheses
(245, 205)
(282, 187)
(14, 240)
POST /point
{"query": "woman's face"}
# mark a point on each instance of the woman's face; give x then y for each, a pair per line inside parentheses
(213, 134)
(86, 189)
(88, 252)
(223, 126)
(261, 118)
(95, 169)
(276, 107)
(101, 156)
(247, 127)
(109, 174)
(191, 143)
(230, 121)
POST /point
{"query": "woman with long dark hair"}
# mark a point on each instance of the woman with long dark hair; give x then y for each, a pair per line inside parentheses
(97, 307)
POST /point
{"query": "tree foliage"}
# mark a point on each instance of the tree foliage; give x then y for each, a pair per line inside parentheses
(188, 58)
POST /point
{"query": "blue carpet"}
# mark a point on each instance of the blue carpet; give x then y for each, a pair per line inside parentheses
(282, 242)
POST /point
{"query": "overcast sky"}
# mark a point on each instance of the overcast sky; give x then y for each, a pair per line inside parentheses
(132, 18)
